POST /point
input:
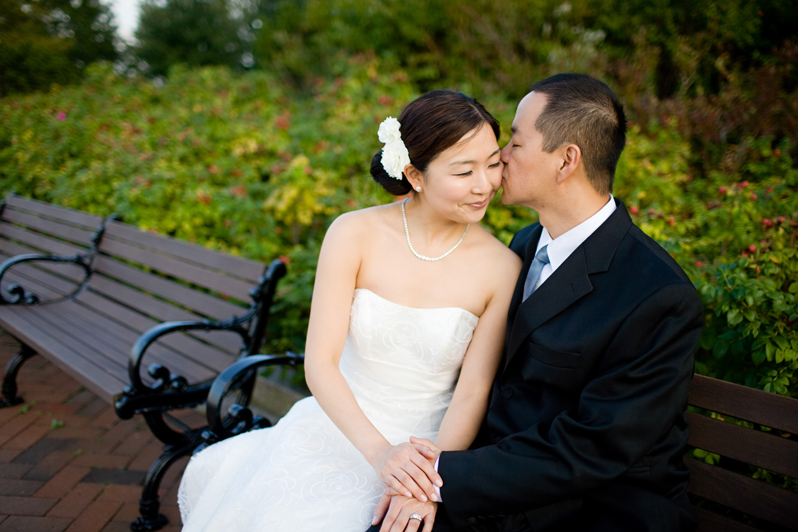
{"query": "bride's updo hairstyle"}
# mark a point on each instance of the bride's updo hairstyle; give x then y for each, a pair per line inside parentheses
(430, 125)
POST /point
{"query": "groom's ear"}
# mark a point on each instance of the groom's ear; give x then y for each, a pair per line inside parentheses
(571, 160)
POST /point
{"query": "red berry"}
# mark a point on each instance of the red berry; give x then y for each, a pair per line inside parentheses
(777, 152)
(752, 248)
(769, 190)
(699, 264)
(767, 222)
(744, 184)
(781, 219)
(633, 209)
(753, 195)
(652, 212)
(671, 221)
(745, 253)
(722, 190)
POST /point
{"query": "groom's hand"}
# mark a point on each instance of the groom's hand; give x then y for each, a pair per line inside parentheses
(399, 509)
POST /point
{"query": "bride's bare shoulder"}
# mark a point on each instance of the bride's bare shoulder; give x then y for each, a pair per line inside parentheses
(498, 254)
(362, 223)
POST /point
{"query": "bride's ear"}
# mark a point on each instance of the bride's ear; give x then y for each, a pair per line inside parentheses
(414, 176)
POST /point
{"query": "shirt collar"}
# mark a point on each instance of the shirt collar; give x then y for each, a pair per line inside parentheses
(560, 248)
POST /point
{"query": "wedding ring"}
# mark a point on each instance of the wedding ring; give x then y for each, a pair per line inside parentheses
(416, 516)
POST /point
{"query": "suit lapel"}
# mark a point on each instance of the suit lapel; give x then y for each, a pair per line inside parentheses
(565, 286)
(569, 283)
(529, 256)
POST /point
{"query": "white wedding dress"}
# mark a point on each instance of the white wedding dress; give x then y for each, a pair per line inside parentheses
(303, 475)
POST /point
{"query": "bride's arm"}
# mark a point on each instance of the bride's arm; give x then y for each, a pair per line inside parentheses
(470, 401)
(402, 467)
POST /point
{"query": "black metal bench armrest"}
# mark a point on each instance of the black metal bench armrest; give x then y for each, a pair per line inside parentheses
(170, 391)
(239, 417)
(165, 391)
(18, 294)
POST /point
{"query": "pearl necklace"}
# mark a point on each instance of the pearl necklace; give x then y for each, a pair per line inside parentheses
(417, 254)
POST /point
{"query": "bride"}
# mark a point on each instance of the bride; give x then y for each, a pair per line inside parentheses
(406, 328)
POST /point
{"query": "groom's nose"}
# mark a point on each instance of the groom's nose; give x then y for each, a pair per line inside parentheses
(505, 154)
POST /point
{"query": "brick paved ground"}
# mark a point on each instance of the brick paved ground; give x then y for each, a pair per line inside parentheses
(67, 463)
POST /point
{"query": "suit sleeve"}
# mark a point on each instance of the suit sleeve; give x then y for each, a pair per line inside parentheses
(638, 392)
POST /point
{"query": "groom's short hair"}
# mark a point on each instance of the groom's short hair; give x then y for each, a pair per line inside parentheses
(584, 111)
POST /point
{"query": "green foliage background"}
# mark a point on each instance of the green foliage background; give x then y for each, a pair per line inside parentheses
(51, 41)
(245, 164)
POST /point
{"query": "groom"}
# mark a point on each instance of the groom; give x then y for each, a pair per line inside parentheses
(586, 427)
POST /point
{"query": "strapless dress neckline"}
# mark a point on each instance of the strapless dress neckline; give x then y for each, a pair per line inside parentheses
(368, 291)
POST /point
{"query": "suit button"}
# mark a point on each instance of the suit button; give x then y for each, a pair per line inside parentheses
(507, 393)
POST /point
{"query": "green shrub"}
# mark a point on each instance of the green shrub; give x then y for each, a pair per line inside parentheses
(242, 164)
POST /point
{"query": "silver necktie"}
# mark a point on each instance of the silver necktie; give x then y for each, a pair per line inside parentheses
(540, 260)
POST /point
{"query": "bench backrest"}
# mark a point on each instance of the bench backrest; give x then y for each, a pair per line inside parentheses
(158, 278)
(730, 499)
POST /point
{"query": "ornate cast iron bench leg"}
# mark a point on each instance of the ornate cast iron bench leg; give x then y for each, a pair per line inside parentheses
(10, 397)
(149, 504)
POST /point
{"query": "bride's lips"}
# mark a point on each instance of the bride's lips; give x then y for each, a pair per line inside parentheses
(480, 205)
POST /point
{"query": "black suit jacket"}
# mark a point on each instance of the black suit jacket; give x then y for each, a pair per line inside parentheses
(586, 423)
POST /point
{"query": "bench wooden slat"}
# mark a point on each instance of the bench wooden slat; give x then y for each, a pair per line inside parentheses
(115, 340)
(750, 496)
(246, 269)
(741, 443)
(712, 522)
(41, 243)
(156, 309)
(121, 337)
(745, 403)
(200, 302)
(203, 353)
(230, 286)
(67, 232)
(102, 383)
(65, 214)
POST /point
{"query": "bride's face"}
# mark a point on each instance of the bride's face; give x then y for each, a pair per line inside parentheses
(460, 182)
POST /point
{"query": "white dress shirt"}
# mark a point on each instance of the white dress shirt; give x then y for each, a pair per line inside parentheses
(559, 249)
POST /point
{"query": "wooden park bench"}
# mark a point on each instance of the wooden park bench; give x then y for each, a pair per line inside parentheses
(725, 496)
(99, 298)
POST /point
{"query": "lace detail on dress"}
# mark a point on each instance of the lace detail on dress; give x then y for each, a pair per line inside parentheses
(303, 474)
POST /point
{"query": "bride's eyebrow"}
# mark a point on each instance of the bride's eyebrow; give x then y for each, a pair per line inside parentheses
(455, 163)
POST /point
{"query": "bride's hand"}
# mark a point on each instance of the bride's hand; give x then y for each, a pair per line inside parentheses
(408, 469)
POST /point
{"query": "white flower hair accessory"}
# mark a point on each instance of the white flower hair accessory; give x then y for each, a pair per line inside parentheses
(394, 155)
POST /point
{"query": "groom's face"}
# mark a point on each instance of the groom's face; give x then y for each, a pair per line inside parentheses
(529, 172)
